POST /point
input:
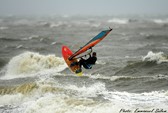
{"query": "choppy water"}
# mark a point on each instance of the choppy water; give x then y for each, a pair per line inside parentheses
(131, 74)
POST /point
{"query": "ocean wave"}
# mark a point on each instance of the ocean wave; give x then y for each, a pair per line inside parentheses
(55, 24)
(156, 38)
(10, 39)
(160, 21)
(151, 64)
(19, 46)
(20, 39)
(58, 24)
(101, 62)
(3, 28)
(117, 78)
(149, 99)
(159, 57)
(83, 23)
(3, 61)
(34, 37)
(23, 89)
(118, 21)
(27, 22)
(44, 24)
(29, 63)
(48, 96)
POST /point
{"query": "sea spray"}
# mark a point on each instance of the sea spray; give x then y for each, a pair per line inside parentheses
(29, 63)
(159, 57)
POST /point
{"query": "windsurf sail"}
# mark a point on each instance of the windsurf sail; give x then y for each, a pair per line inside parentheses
(91, 43)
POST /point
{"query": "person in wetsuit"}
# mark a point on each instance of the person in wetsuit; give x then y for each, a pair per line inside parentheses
(87, 64)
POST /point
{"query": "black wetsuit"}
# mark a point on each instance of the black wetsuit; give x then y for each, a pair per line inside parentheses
(87, 64)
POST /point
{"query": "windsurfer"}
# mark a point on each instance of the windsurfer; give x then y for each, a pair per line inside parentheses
(86, 63)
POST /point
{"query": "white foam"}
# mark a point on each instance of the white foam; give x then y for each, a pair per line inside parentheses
(48, 102)
(31, 64)
(114, 78)
(51, 103)
(118, 21)
(44, 24)
(159, 57)
(88, 91)
(53, 43)
(59, 23)
(101, 62)
(14, 99)
(95, 25)
(161, 21)
(19, 46)
(81, 99)
(33, 37)
(150, 99)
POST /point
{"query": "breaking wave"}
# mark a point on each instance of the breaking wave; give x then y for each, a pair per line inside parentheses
(29, 63)
(152, 63)
(159, 57)
(48, 96)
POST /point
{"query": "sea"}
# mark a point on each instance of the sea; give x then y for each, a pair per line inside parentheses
(130, 75)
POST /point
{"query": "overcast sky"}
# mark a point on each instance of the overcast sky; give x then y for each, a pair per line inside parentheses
(82, 7)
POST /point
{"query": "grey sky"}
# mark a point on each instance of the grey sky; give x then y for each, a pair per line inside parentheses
(82, 7)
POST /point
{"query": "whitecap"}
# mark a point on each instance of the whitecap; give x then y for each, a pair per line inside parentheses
(159, 57)
(160, 21)
(19, 46)
(118, 21)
